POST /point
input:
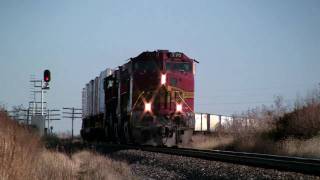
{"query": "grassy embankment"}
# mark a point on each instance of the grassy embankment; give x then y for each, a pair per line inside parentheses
(23, 156)
(277, 129)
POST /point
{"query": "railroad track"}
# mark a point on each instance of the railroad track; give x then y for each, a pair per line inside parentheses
(286, 163)
(296, 164)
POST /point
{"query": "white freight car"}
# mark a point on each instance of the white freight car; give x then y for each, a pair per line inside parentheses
(96, 96)
(214, 122)
(87, 100)
(205, 122)
(84, 102)
(201, 122)
(102, 76)
(90, 98)
(93, 95)
(198, 122)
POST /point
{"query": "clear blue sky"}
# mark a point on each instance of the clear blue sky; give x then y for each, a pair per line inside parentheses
(248, 50)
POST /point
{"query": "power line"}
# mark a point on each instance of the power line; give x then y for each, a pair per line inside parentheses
(52, 115)
(72, 113)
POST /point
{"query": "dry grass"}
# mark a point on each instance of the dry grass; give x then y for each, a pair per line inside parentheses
(287, 147)
(201, 141)
(255, 143)
(22, 156)
(303, 148)
(54, 165)
(82, 165)
(94, 166)
(18, 147)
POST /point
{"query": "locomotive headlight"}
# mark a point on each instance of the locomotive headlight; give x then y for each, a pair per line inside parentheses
(163, 79)
(147, 107)
(179, 107)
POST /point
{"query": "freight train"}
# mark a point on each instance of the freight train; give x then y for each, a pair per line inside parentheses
(148, 100)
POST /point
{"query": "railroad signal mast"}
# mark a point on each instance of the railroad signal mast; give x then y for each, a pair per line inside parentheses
(40, 115)
(45, 86)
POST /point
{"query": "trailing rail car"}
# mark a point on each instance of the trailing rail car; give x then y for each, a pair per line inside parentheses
(211, 123)
(148, 100)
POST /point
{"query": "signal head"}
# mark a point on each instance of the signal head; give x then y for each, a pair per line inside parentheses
(46, 75)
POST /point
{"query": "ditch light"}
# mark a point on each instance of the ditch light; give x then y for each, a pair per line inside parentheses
(147, 107)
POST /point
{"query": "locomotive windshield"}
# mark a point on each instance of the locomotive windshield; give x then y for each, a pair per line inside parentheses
(175, 66)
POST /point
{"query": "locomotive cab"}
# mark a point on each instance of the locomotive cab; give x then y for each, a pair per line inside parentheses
(165, 111)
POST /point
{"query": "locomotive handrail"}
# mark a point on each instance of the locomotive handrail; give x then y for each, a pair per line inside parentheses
(134, 105)
(185, 103)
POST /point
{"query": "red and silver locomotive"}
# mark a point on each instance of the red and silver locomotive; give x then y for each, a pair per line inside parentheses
(148, 100)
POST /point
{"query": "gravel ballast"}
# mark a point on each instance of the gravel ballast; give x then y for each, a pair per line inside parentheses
(150, 165)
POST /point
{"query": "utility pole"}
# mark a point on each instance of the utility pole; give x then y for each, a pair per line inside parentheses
(52, 115)
(18, 114)
(42, 98)
(72, 113)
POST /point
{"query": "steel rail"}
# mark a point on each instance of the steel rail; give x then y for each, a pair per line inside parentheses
(284, 163)
(295, 164)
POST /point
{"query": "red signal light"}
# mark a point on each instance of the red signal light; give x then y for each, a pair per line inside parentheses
(46, 75)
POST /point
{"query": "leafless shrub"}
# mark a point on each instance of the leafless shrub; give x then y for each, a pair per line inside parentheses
(303, 121)
(276, 129)
(256, 120)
